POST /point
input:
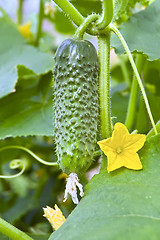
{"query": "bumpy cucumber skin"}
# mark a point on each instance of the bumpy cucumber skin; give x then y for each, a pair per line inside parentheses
(76, 104)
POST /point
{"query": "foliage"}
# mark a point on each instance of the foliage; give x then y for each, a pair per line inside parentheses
(145, 24)
(123, 204)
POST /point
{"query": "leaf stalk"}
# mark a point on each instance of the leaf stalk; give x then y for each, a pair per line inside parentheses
(12, 232)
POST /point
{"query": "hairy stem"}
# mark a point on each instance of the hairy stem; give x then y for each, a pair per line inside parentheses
(107, 14)
(70, 11)
(19, 12)
(134, 93)
(104, 85)
(40, 20)
(12, 232)
(116, 31)
(83, 27)
(104, 89)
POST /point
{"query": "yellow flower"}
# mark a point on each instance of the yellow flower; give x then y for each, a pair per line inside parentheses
(121, 149)
(25, 30)
(55, 217)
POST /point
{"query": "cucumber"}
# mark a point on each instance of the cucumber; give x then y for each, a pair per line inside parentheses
(76, 104)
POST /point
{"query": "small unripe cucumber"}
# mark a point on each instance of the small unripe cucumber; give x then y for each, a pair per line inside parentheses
(76, 104)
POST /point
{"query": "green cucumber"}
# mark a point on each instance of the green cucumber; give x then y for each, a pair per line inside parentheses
(76, 104)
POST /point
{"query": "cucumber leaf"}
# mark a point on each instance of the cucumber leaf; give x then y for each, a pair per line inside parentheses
(15, 51)
(123, 204)
(141, 33)
(123, 6)
(29, 110)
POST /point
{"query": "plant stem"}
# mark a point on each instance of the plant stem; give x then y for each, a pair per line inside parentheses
(73, 14)
(104, 89)
(83, 27)
(116, 31)
(70, 11)
(40, 20)
(12, 232)
(19, 12)
(134, 93)
(107, 14)
(104, 85)
(124, 71)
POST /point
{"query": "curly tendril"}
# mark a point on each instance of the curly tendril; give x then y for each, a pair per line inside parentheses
(15, 164)
(18, 163)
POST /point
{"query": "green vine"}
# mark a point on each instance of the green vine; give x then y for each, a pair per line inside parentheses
(104, 89)
(83, 27)
(71, 12)
(12, 232)
(104, 84)
(107, 14)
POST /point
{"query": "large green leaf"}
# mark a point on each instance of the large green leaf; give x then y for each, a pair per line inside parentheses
(28, 111)
(13, 51)
(124, 204)
(141, 32)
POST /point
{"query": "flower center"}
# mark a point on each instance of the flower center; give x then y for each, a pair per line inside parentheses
(119, 150)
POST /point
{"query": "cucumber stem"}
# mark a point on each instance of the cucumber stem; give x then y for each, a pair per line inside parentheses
(119, 35)
(12, 232)
(71, 12)
(107, 14)
(104, 89)
(83, 27)
(104, 85)
(134, 93)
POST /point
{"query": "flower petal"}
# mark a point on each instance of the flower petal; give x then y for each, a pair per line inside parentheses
(134, 142)
(106, 145)
(115, 161)
(119, 134)
(54, 216)
(131, 160)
